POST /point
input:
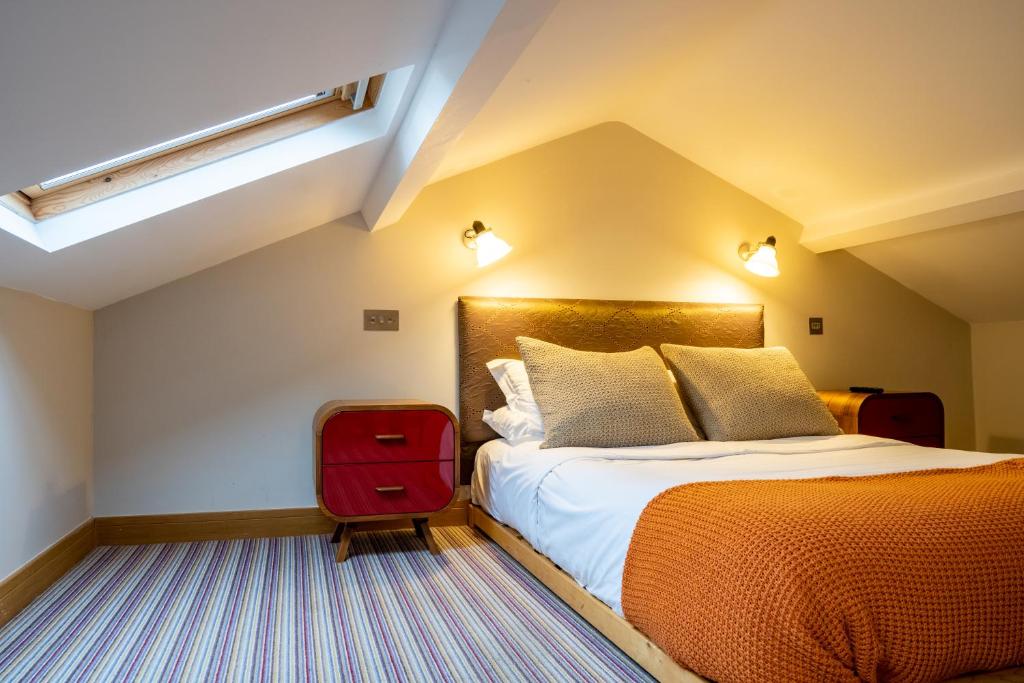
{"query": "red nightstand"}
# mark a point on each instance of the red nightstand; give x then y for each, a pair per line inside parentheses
(917, 417)
(378, 460)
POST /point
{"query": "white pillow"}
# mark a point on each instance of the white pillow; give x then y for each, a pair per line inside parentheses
(513, 425)
(510, 374)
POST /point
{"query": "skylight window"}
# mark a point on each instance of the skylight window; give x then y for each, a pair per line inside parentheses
(183, 140)
(142, 167)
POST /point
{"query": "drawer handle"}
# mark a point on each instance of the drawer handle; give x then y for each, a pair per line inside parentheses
(389, 437)
(390, 489)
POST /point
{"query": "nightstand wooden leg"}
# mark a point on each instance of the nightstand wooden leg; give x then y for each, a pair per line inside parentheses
(337, 532)
(422, 526)
(344, 540)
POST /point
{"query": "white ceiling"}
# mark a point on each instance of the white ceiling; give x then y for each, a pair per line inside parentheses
(821, 109)
(100, 271)
(861, 120)
(86, 81)
(90, 80)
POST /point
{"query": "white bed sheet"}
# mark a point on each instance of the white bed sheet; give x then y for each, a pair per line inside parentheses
(579, 506)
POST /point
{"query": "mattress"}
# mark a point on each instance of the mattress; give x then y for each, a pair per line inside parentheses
(579, 506)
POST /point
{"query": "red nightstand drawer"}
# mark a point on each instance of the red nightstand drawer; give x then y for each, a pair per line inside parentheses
(388, 436)
(388, 488)
(901, 416)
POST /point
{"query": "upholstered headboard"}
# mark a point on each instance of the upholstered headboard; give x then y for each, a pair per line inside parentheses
(488, 329)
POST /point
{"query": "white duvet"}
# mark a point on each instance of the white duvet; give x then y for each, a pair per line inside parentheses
(579, 506)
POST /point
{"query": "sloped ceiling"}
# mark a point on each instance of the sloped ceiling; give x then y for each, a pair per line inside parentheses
(90, 80)
(106, 269)
(865, 121)
(862, 120)
(821, 109)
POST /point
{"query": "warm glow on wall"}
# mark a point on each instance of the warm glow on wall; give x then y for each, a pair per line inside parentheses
(762, 259)
(489, 247)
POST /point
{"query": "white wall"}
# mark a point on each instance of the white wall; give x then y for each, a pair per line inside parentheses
(998, 383)
(45, 424)
(206, 387)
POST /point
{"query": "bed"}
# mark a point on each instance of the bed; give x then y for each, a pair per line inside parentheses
(568, 514)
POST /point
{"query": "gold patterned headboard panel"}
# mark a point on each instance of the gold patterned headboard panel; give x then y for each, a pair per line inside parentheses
(488, 328)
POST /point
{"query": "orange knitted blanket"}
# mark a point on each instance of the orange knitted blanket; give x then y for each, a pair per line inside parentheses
(900, 577)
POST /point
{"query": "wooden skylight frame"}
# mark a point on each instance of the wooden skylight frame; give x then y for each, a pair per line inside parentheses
(37, 203)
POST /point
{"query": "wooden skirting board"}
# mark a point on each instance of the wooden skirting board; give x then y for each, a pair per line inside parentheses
(24, 585)
(19, 589)
(216, 526)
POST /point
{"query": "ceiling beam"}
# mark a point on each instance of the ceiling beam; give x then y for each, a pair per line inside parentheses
(965, 203)
(479, 43)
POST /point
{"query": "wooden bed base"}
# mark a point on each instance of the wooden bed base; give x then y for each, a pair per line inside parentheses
(626, 637)
(615, 628)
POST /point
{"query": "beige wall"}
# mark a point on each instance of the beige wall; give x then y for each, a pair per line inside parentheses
(45, 424)
(998, 378)
(206, 387)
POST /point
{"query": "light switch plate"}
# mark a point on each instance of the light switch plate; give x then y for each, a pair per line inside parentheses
(380, 320)
(817, 325)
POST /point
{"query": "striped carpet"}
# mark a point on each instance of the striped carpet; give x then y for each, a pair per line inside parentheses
(282, 610)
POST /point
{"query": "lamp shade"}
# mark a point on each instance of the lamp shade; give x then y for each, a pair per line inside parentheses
(490, 248)
(764, 261)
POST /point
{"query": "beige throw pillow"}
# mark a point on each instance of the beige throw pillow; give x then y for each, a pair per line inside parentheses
(748, 394)
(604, 400)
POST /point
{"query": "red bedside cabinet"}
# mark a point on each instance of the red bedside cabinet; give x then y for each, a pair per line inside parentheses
(917, 417)
(378, 460)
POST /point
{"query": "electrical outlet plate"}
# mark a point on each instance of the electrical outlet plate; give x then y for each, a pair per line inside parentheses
(817, 325)
(375, 320)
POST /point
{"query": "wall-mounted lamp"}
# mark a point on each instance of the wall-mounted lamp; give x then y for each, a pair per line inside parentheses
(489, 247)
(761, 259)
